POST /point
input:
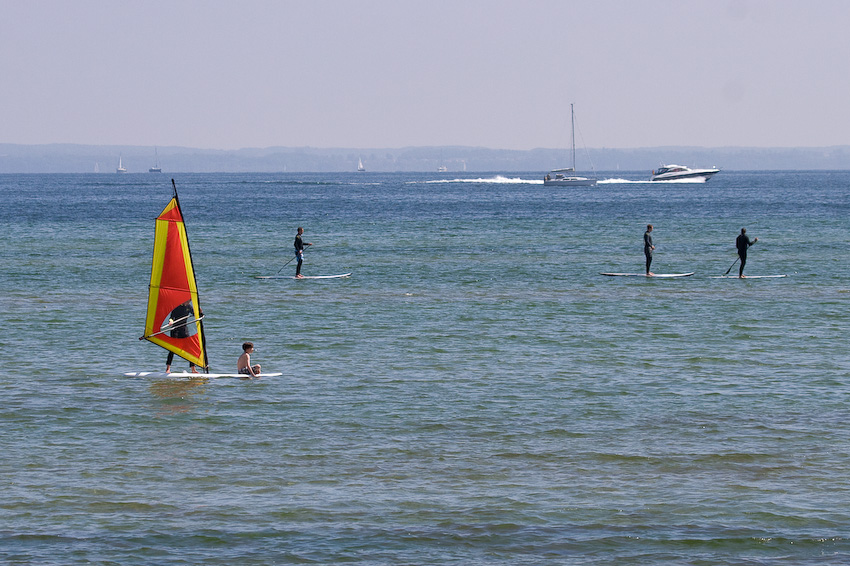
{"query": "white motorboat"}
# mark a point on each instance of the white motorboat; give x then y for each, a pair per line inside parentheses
(560, 177)
(681, 173)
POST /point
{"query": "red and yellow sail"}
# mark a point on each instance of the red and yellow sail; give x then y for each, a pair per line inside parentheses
(174, 314)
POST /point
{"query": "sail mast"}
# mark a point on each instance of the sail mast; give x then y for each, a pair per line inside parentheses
(200, 320)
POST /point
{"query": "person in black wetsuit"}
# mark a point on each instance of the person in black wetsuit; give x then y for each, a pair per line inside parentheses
(299, 251)
(743, 242)
(179, 317)
(648, 248)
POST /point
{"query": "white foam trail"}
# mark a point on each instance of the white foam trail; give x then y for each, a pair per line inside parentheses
(643, 181)
(497, 180)
(621, 181)
(502, 180)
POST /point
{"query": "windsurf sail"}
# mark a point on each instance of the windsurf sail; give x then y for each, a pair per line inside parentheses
(174, 318)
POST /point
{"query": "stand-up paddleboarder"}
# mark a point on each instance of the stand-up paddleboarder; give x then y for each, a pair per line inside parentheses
(743, 242)
(299, 251)
(648, 248)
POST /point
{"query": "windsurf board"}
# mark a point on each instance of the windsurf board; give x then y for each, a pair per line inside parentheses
(656, 276)
(192, 375)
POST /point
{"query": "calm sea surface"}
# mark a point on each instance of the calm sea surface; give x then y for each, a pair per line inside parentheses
(475, 393)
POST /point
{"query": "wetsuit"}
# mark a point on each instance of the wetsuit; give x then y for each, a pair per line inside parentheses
(181, 313)
(647, 248)
(299, 253)
(742, 242)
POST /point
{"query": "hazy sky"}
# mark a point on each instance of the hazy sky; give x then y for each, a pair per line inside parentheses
(392, 73)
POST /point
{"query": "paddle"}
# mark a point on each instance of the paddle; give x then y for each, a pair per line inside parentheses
(288, 262)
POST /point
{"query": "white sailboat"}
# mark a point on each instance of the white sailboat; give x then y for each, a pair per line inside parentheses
(562, 177)
(156, 168)
(360, 166)
(121, 168)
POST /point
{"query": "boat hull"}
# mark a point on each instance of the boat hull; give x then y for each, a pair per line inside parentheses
(570, 182)
(691, 175)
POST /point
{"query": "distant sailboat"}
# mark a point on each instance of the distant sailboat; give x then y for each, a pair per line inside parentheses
(360, 166)
(96, 167)
(121, 168)
(559, 177)
(156, 168)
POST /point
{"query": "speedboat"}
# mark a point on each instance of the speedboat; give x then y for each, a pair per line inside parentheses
(680, 173)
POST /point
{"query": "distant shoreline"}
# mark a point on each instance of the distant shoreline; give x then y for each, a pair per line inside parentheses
(78, 158)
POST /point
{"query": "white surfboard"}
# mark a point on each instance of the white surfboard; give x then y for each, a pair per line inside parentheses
(305, 277)
(656, 276)
(746, 276)
(178, 374)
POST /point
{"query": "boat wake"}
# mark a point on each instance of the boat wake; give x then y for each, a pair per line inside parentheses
(502, 180)
(497, 180)
(620, 181)
(646, 181)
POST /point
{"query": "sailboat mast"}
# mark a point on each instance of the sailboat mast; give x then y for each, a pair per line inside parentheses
(573, 124)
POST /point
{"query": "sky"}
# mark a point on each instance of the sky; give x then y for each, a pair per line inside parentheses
(221, 74)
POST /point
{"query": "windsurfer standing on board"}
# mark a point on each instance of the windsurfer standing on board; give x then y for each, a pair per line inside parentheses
(180, 319)
(243, 364)
(648, 249)
(743, 242)
(299, 251)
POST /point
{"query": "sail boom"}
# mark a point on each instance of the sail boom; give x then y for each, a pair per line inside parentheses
(171, 327)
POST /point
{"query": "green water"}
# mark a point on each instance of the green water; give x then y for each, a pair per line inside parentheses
(476, 393)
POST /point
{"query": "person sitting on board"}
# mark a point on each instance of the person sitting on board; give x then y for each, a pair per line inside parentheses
(243, 365)
(180, 319)
(742, 242)
(299, 251)
(648, 248)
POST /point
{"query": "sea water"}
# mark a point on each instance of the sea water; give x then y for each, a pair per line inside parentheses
(475, 393)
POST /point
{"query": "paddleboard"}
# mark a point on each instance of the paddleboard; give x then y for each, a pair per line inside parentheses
(656, 276)
(305, 277)
(746, 276)
(192, 375)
